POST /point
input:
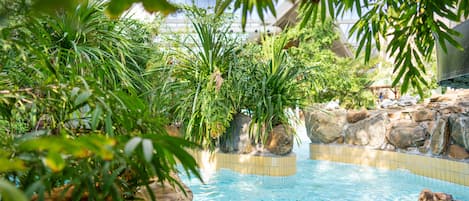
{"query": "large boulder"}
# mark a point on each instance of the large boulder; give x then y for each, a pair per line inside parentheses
(368, 132)
(280, 140)
(355, 116)
(324, 126)
(457, 152)
(440, 136)
(460, 129)
(404, 134)
(423, 115)
(237, 139)
(427, 195)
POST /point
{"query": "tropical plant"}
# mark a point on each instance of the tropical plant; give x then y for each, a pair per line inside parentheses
(278, 88)
(75, 113)
(199, 72)
(408, 28)
(243, 76)
(331, 77)
(412, 26)
(344, 80)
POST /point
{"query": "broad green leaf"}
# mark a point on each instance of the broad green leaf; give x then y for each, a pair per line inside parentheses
(8, 165)
(98, 111)
(450, 40)
(131, 145)
(405, 82)
(43, 143)
(108, 124)
(162, 6)
(9, 192)
(116, 7)
(147, 147)
(368, 48)
(220, 6)
(323, 10)
(82, 98)
(419, 88)
(100, 145)
(399, 76)
(54, 161)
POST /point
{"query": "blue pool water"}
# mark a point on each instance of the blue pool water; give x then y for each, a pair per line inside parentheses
(320, 181)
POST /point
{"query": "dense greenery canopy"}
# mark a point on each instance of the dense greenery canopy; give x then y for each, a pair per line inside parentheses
(78, 111)
(407, 29)
(331, 77)
(83, 102)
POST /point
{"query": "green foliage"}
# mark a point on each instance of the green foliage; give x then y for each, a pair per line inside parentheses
(9, 192)
(242, 77)
(114, 8)
(411, 28)
(277, 88)
(199, 74)
(341, 79)
(214, 80)
(247, 7)
(330, 77)
(75, 92)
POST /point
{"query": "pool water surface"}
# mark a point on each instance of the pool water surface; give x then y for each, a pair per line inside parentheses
(321, 181)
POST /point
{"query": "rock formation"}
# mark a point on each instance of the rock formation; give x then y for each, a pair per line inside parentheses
(457, 152)
(460, 129)
(404, 134)
(237, 139)
(440, 127)
(423, 115)
(427, 195)
(367, 132)
(354, 116)
(440, 136)
(280, 140)
(324, 126)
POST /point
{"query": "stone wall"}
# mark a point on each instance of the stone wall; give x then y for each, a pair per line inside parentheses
(439, 127)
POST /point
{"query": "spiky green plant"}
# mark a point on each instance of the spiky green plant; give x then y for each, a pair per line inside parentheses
(201, 68)
(278, 88)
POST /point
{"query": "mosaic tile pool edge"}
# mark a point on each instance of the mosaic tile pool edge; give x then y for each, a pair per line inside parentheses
(247, 164)
(443, 169)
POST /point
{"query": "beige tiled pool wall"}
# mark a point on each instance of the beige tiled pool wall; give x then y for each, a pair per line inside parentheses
(443, 169)
(247, 164)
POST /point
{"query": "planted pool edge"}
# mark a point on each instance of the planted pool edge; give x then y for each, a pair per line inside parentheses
(247, 163)
(442, 169)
